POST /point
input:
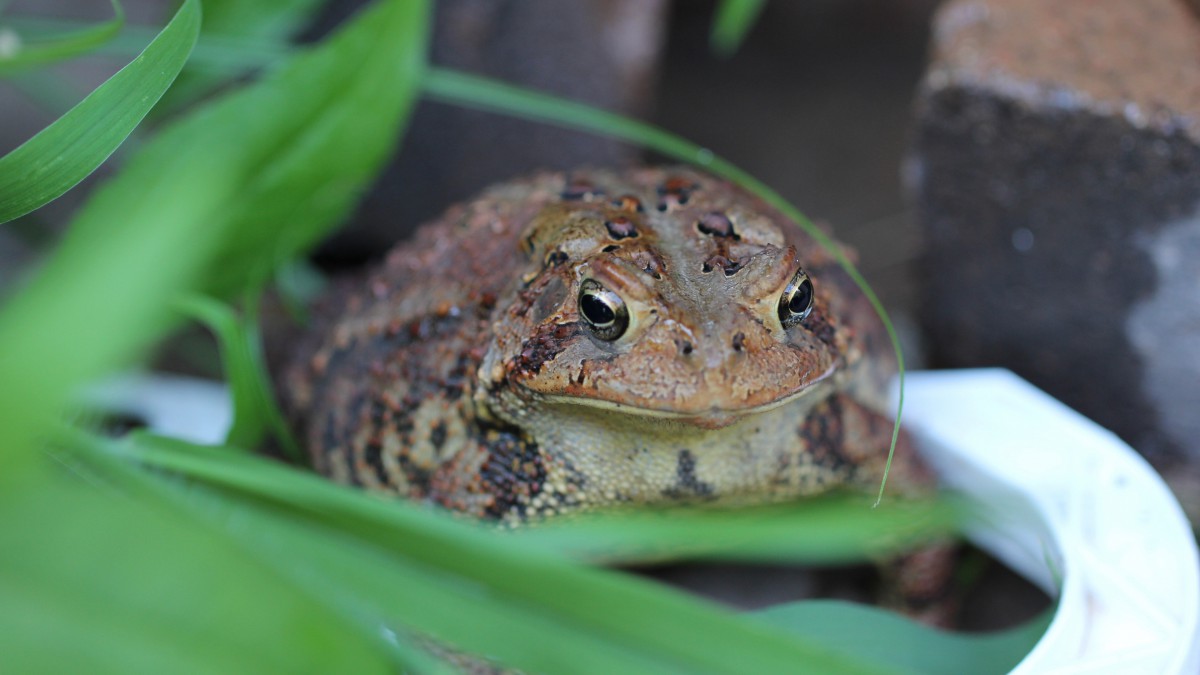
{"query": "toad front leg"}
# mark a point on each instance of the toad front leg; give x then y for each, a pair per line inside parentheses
(843, 432)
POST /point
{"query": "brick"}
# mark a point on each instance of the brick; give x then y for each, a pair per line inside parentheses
(1056, 170)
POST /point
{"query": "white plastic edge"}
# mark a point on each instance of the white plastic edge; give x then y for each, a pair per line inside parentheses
(189, 408)
(1073, 509)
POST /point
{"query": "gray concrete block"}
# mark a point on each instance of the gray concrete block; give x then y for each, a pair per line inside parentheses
(1056, 171)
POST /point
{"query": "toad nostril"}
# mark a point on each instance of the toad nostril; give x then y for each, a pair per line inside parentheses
(739, 341)
(684, 346)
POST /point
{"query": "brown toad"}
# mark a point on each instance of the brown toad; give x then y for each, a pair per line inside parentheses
(566, 342)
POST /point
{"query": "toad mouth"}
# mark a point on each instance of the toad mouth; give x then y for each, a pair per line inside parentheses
(714, 416)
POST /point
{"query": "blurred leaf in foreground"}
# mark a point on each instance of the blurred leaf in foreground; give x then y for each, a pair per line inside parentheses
(884, 636)
(255, 411)
(71, 148)
(270, 22)
(96, 583)
(255, 177)
(827, 530)
(733, 21)
(25, 53)
(300, 145)
(474, 588)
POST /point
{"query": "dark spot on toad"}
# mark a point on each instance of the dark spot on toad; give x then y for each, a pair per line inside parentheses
(628, 203)
(739, 343)
(820, 326)
(579, 190)
(686, 482)
(727, 265)
(610, 248)
(684, 346)
(437, 435)
(674, 192)
(716, 224)
(620, 227)
(556, 258)
(823, 434)
(373, 454)
(546, 343)
(512, 474)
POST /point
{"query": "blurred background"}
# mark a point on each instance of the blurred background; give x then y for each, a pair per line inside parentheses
(817, 102)
(1020, 178)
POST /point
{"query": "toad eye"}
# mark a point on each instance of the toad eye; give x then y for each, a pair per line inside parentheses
(797, 300)
(603, 310)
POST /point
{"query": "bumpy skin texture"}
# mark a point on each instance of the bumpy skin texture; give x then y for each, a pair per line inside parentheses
(462, 371)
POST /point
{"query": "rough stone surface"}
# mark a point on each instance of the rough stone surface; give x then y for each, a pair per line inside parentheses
(1056, 169)
(600, 52)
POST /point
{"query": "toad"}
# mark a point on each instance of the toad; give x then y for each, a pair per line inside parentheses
(571, 342)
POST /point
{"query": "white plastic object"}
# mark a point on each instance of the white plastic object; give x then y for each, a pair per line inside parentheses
(189, 408)
(1076, 511)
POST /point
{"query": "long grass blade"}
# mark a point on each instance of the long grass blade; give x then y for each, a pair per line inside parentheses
(822, 531)
(67, 151)
(229, 24)
(255, 411)
(31, 53)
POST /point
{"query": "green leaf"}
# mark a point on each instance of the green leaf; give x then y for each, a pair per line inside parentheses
(64, 153)
(94, 583)
(877, 634)
(229, 23)
(300, 146)
(100, 299)
(733, 20)
(247, 181)
(254, 407)
(213, 53)
(485, 94)
(40, 51)
(543, 603)
(821, 531)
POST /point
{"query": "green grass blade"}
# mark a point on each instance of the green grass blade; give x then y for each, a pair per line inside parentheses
(93, 583)
(254, 408)
(881, 635)
(478, 92)
(226, 22)
(640, 616)
(217, 54)
(732, 22)
(50, 49)
(822, 531)
(64, 153)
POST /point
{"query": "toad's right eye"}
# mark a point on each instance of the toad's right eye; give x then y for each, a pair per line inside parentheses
(603, 311)
(797, 300)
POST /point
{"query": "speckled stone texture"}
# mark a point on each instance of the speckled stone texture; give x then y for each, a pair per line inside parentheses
(1056, 170)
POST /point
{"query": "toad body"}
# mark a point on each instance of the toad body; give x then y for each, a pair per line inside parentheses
(568, 342)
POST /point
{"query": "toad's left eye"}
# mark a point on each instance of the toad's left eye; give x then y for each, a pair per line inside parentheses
(797, 300)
